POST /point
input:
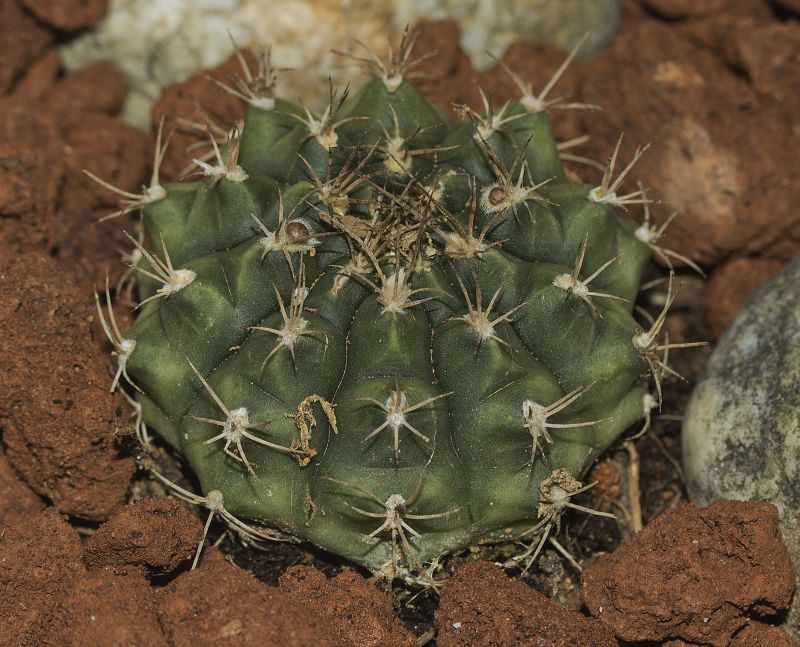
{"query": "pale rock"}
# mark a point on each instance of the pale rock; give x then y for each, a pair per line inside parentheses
(741, 432)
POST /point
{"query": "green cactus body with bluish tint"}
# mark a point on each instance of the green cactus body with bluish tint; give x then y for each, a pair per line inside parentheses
(347, 269)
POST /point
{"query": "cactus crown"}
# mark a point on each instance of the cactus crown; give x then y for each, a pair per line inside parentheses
(380, 331)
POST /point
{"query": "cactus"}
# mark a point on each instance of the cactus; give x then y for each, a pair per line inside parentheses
(385, 333)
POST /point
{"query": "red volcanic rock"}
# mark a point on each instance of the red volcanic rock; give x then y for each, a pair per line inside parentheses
(693, 574)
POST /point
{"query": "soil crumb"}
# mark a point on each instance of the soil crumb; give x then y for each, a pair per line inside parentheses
(731, 285)
(67, 15)
(693, 574)
(481, 607)
(57, 415)
(354, 610)
(103, 610)
(220, 604)
(16, 499)
(149, 537)
(40, 561)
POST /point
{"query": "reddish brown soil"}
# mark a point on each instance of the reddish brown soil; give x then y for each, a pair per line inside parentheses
(22, 38)
(57, 416)
(608, 482)
(69, 15)
(755, 634)
(357, 610)
(51, 129)
(220, 604)
(758, 634)
(694, 574)
(41, 561)
(730, 286)
(685, 8)
(715, 89)
(770, 55)
(151, 536)
(482, 607)
(17, 500)
(104, 610)
(722, 152)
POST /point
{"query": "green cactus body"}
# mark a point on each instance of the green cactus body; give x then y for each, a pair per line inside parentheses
(415, 276)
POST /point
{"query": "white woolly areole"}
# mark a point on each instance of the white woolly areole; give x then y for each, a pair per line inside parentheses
(395, 292)
(215, 501)
(263, 103)
(642, 341)
(603, 197)
(535, 415)
(154, 193)
(126, 347)
(645, 234)
(392, 82)
(238, 420)
(567, 283)
(395, 501)
(178, 280)
(395, 405)
(512, 195)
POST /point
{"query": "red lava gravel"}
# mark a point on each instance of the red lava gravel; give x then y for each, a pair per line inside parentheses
(22, 39)
(40, 562)
(693, 574)
(481, 607)
(730, 286)
(55, 409)
(357, 610)
(196, 610)
(51, 129)
(104, 610)
(69, 15)
(16, 499)
(149, 537)
(220, 604)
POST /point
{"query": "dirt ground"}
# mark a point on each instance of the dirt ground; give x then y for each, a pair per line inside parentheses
(93, 553)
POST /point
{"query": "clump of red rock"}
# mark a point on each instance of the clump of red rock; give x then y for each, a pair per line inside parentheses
(55, 590)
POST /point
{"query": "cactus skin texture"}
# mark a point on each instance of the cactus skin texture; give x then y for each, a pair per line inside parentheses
(347, 268)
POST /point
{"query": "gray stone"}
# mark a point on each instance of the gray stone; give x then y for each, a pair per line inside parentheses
(741, 432)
